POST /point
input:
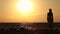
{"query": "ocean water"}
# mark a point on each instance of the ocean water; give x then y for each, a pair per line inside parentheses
(41, 25)
(27, 28)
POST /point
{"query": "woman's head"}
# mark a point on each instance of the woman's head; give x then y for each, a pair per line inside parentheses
(50, 10)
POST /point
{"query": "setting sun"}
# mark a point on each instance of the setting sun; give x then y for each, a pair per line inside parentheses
(24, 6)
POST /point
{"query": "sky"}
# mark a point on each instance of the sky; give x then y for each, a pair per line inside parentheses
(10, 12)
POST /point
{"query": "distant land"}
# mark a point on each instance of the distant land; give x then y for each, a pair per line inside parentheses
(27, 22)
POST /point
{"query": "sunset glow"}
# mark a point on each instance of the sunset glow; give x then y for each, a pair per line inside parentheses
(28, 10)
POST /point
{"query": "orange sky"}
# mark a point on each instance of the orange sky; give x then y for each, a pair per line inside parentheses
(10, 13)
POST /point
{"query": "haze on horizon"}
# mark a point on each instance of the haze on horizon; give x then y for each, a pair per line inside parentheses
(36, 11)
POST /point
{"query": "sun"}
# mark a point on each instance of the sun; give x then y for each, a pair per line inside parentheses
(24, 6)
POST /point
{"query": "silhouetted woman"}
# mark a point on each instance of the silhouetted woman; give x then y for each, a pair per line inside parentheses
(50, 18)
